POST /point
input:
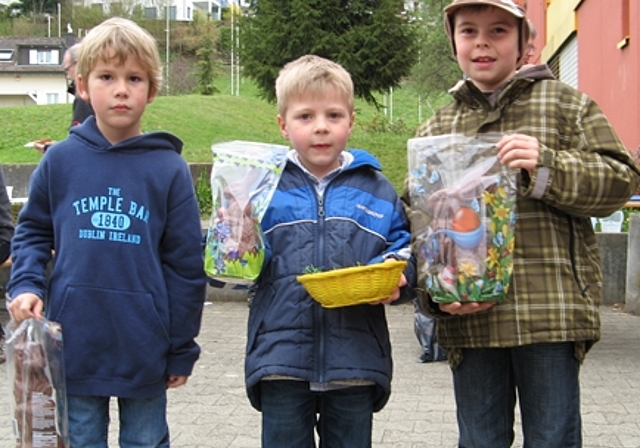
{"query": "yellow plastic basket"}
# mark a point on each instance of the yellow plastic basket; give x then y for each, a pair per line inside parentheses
(355, 285)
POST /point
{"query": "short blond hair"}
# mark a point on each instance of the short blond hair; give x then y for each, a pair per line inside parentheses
(117, 39)
(311, 75)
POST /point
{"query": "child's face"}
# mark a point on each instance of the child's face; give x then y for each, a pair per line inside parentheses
(487, 46)
(119, 95)
(318, 129)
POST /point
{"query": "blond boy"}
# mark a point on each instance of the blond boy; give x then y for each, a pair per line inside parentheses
(118, 206)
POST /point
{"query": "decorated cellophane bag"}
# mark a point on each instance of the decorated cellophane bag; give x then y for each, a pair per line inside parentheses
(463, 216)
(244, 178)
(38, 398)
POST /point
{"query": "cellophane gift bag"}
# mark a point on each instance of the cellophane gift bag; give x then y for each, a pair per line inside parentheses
(38, 398)
(463, 216)
(244, 178)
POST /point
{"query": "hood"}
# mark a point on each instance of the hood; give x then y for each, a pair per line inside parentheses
(362, 157)
(91, 136)
(538, 71)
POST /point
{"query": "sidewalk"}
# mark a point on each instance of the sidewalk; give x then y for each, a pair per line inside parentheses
(212, 409)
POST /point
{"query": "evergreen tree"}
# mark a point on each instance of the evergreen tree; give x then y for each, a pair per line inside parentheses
(437, 69)
(372, 39)
(206, 63)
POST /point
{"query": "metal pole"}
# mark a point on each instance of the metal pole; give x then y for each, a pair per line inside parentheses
(237, 60)
(231, 42)
(166, 75)
(59, 22)
(390, 104)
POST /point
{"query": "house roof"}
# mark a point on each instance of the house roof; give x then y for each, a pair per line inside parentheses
(15, 44)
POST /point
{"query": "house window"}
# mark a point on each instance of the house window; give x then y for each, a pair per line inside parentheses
(151, 13)
(44, 57)
(5, 55)
(188, 13)
(53, 98)
(173, 13)
(564, 64)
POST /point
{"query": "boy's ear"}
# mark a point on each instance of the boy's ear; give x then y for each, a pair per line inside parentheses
(283, 127)
(81, 88)
(152, 95)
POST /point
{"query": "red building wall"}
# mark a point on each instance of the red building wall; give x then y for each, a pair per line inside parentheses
(608, 74)
(611, 76)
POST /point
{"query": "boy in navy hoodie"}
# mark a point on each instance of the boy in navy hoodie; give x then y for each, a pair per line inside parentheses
(119, 209)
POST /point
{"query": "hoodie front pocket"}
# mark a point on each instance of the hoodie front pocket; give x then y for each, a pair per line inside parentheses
(111, 334)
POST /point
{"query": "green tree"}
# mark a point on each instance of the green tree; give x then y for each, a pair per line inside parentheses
(372, 39)
(29, 7)
(437, 69)
(206, 62)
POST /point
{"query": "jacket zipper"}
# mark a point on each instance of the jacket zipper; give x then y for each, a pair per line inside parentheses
(318, 309)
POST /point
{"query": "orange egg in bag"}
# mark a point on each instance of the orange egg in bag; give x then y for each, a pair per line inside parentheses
(465, 220)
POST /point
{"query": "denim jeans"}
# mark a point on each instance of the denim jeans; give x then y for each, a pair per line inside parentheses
(289, 412)
(546, 379)
(143, 422)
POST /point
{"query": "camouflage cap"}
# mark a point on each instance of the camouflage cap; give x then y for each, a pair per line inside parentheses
(508, 5)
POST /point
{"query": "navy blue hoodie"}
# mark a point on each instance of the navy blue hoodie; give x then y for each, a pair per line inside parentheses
(127, 282)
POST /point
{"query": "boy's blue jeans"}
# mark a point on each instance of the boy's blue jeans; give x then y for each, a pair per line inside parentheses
(546, 378)
(289, 411)
(143, 422)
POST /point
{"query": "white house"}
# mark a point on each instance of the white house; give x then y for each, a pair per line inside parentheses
(31, 70)
(181, 10)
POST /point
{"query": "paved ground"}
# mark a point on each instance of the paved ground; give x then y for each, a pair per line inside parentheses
(213, 411)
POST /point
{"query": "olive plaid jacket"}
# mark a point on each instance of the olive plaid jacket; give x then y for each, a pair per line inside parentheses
(583, 170)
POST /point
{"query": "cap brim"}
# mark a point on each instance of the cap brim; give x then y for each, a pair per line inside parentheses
(511, 9)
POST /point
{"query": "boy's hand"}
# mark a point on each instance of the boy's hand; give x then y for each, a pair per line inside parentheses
(395, 295)
(460, 308)
(25, 306)
(519, 151)
(42, 145)
(174, 381)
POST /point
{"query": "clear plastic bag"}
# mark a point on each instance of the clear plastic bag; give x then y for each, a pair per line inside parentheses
(243, 179)
(463, 216)
(38, 398)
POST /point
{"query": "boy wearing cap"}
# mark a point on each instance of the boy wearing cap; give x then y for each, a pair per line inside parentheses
(571, 166)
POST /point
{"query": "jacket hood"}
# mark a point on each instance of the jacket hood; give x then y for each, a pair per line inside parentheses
(91, 136)
(362, 157)
(538, 71)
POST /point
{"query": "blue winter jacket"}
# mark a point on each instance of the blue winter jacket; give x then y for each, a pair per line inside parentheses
(358, 220)
(127, 283)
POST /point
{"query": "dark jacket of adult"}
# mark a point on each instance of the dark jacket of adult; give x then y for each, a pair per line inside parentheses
(81, 108)
(6, 221)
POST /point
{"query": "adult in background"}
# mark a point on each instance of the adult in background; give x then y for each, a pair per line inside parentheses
(81, 108)
(6, 234)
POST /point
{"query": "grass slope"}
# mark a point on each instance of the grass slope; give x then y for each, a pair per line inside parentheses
(200, 121)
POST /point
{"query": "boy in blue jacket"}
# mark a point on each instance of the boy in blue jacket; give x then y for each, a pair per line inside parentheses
(119, 209)
(332, 209)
